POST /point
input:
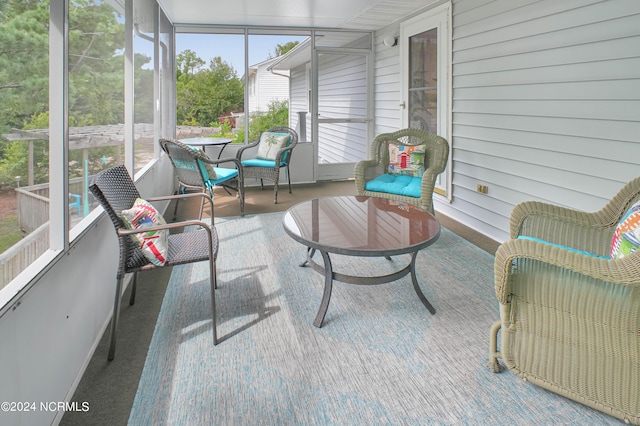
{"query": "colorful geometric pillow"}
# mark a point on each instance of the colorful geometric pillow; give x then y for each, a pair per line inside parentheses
(626, 238)
(271, 143)
(406, 160)
(154, 244)
(206, 169)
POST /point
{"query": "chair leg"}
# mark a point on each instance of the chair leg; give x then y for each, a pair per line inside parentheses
(134, 285)
(114, 318)
(494, 354)
(275, 187)
(214, 285)
(175, 209)
(288, 178)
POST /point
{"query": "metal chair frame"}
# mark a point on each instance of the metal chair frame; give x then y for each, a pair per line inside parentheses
(115, 191)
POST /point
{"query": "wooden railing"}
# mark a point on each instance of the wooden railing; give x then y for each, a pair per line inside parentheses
(33, 203)
(20, 255)
(33, 219)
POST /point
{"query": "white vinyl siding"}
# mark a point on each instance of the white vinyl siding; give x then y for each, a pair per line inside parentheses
(299, 101)
(267, 87)
(387, 84)
(546, 105)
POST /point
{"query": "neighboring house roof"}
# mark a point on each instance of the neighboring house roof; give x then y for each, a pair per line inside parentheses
(301, 54)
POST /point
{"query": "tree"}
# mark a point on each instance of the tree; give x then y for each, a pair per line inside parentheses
(96, 76)
(281, 49)
(188, 63)
(203, 95)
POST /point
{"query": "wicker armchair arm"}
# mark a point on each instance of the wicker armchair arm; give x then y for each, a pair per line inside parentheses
(235, 161)
(526, 211)
(361, 174)
(624, 271)
(244, 148)
(172, 225)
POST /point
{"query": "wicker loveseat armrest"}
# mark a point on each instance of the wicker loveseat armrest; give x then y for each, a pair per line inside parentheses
(527, 216)
(625, 271)
(564, 226)
(569, 323)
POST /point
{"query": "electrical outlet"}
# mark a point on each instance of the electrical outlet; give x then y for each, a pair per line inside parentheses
(483, 189)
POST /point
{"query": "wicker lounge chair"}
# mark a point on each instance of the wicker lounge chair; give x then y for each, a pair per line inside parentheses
(372, 171)
(269, 168)
(191, 167)
(569, 314)
(116, 192)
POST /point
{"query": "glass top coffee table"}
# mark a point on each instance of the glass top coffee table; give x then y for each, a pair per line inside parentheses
(360, 226)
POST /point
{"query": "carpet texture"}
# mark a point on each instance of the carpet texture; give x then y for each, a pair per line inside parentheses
(380, 357)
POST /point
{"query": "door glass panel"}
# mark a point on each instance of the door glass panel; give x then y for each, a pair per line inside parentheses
(423, 78)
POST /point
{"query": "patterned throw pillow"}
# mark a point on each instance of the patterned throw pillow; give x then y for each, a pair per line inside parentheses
(154, 244)
(271, 143)
(626, 238)
(406, 160)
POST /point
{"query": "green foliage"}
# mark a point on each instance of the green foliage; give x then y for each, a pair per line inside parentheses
(277, 115)
(203, 95)
(96, 80)
(281, 49)
(9, 232)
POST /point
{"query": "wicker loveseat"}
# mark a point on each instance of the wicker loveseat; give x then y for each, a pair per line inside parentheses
(570, 314)
(373, 179)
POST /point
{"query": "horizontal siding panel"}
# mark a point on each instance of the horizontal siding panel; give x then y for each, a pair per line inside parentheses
(601, 51)
(585, 90)
(468, 19)
(567, 39)
(507, 190)
(618, 69)
(625, 110)
(461, 7)
(555, 30)
(471, 138)
(544, 160)
(554, 177)
(624, 131)
(501, 14)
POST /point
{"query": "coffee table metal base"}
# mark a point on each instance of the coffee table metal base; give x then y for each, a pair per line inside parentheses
(330, 276)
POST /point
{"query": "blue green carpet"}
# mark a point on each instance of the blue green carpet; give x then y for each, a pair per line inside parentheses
(379, 359)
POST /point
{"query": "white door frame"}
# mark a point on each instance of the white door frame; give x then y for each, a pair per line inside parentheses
(340, 170)
(440, 18)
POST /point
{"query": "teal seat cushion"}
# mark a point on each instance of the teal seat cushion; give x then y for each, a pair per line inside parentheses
(396, 184)
(526, 237)
(259, 162)
(222, 175)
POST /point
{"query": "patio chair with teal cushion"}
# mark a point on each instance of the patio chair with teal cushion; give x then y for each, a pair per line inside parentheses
(275, 147)
(403, 166)
(568, 284)
(196, 172)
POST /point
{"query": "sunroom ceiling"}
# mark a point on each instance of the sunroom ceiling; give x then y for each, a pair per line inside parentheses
(345, 14)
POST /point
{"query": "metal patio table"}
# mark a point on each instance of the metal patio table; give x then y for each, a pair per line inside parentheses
(204, 142)
(360, 226)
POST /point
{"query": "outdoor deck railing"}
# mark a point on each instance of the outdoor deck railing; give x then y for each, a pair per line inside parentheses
(20, 255)
(33, 219)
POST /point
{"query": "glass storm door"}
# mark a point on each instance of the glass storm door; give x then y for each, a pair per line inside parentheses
(425, 77)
